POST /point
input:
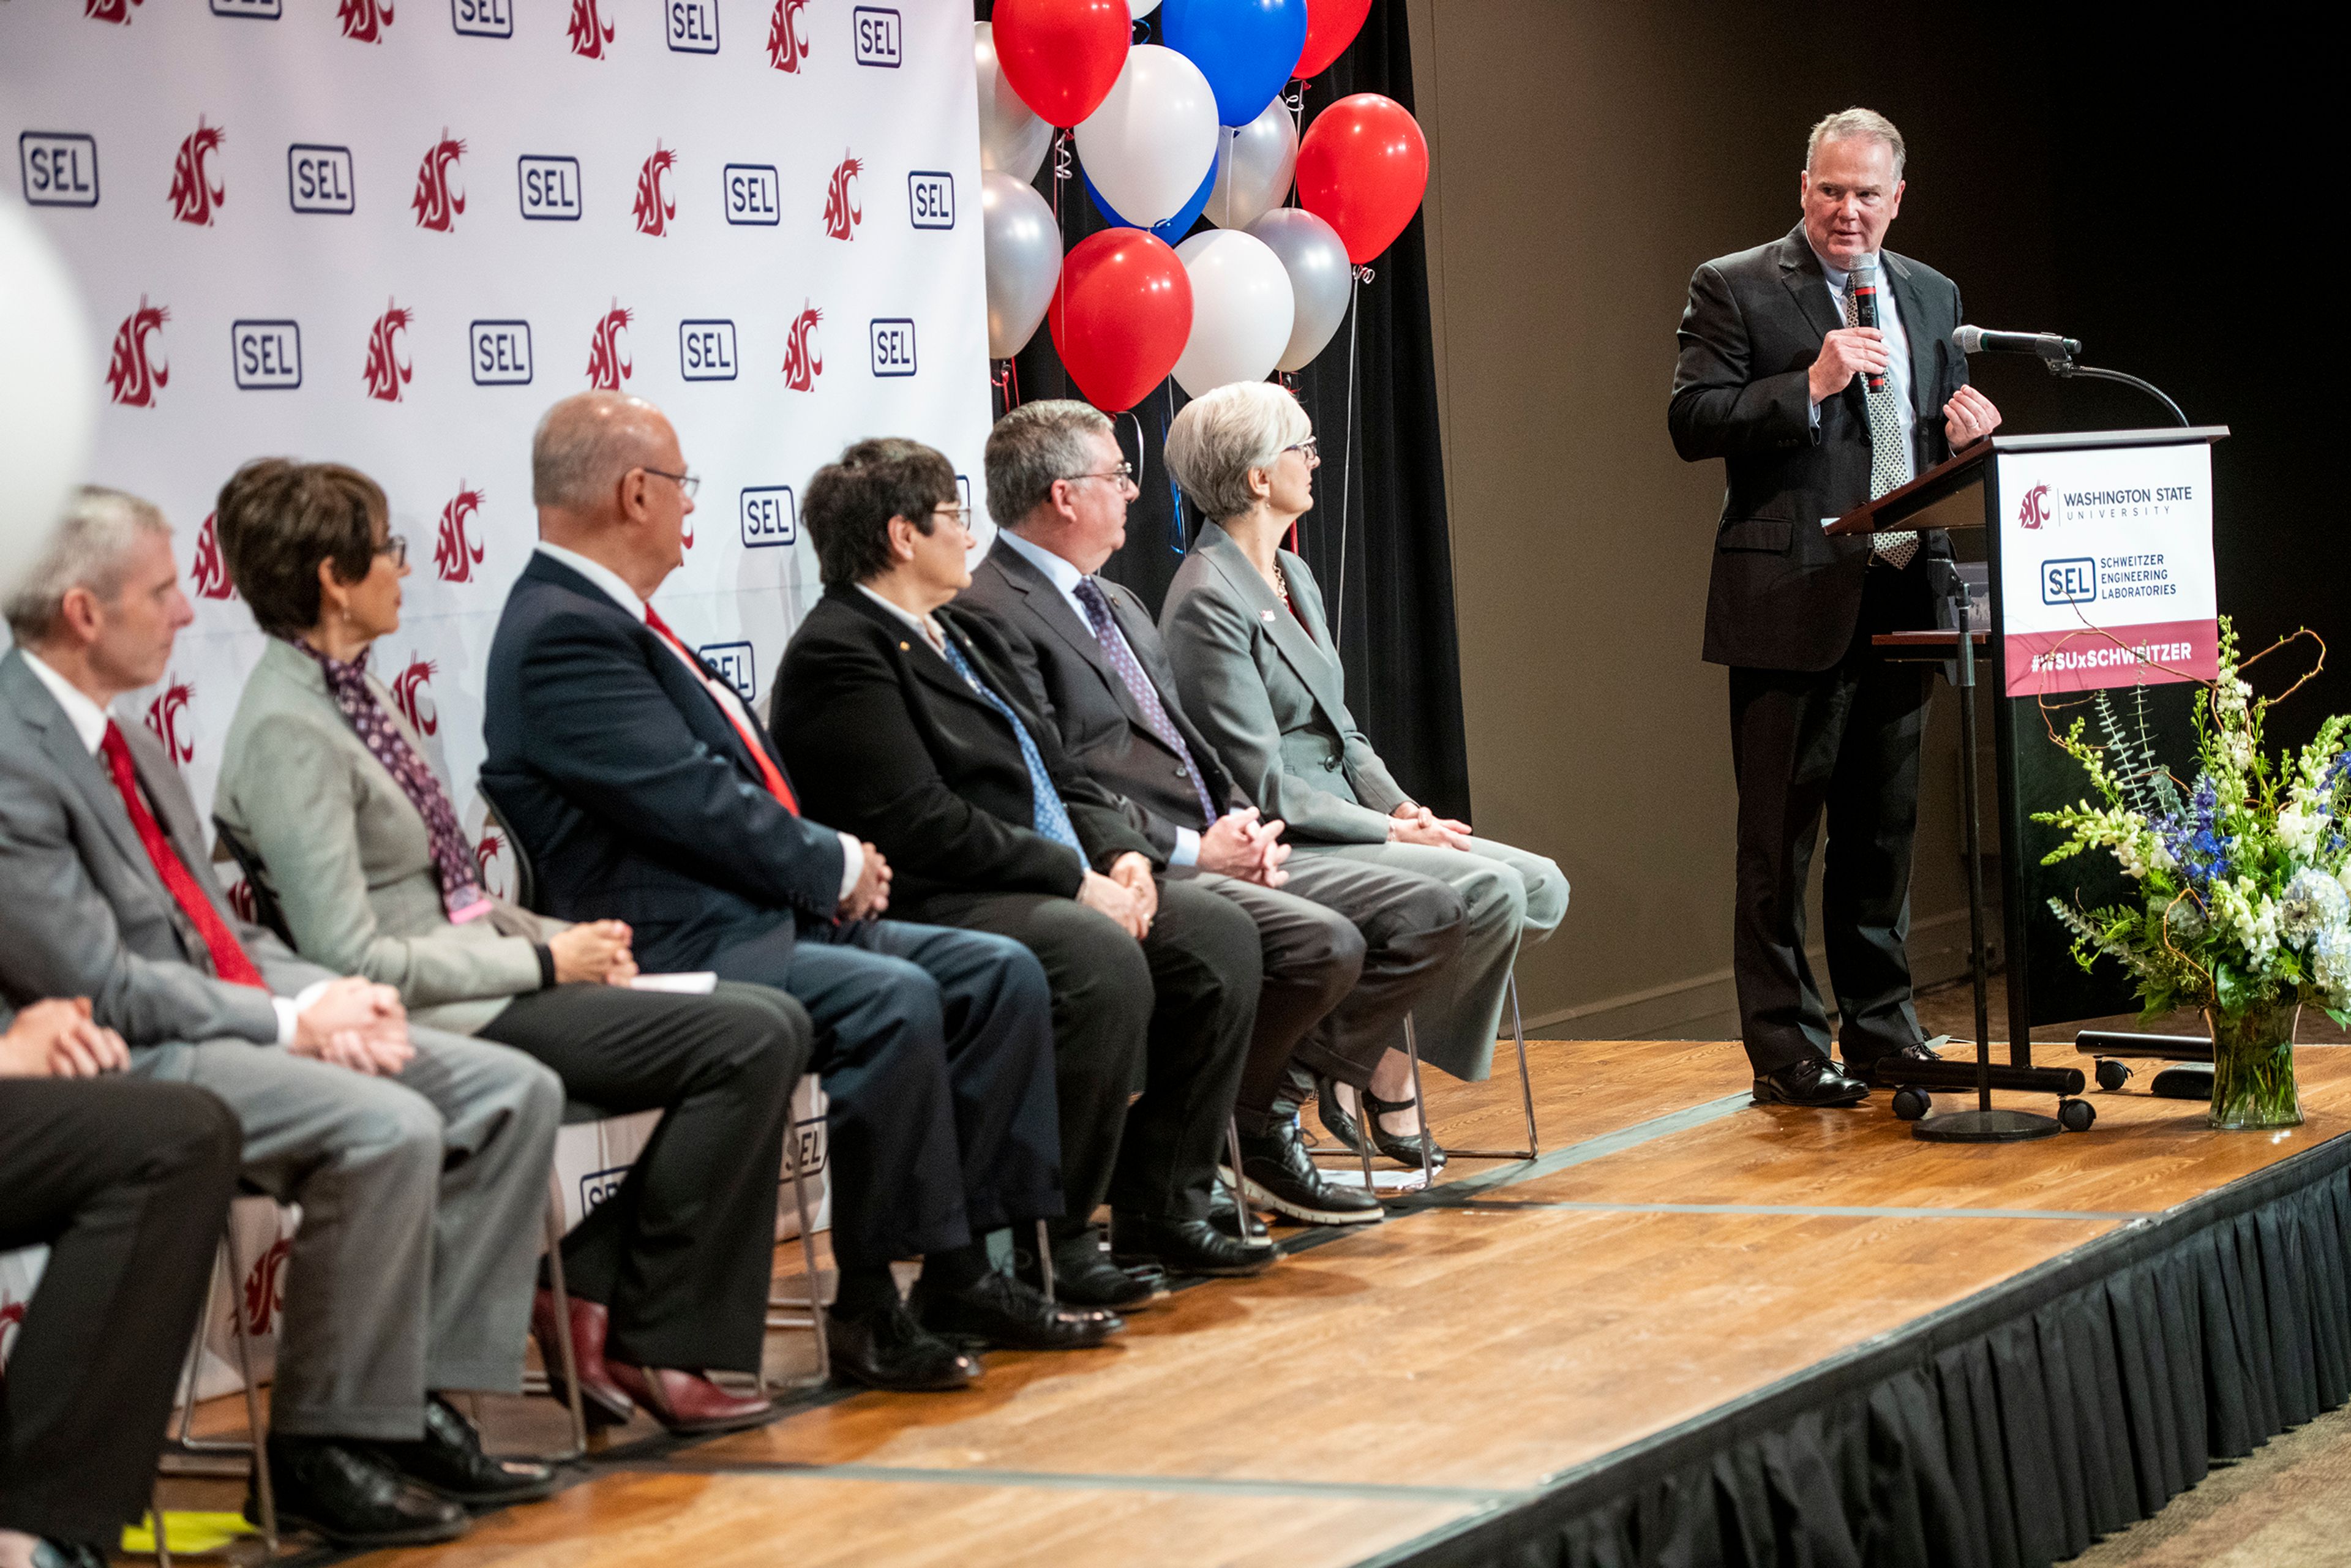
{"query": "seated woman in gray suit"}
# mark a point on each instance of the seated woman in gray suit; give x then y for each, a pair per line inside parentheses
(1254, 661)
(326, 788)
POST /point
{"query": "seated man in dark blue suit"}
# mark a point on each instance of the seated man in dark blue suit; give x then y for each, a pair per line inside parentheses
(644, 789)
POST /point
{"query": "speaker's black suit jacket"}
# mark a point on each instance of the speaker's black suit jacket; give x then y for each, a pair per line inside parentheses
(1785, 596)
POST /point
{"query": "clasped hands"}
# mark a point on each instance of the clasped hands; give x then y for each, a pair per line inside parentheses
(1415, 824)
(1851, 352)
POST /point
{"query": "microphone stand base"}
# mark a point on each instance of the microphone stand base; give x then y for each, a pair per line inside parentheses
(1993, 1126)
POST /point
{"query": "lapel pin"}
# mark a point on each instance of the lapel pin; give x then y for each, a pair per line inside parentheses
(905, 647)
(1265, 616)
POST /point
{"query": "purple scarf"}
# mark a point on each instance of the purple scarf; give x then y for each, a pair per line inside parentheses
(452, 857)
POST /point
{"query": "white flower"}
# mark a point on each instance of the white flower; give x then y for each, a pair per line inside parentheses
(2330, 964)
(2314, 902)
(2246, 915)
(2299, 830)
(2344, 876)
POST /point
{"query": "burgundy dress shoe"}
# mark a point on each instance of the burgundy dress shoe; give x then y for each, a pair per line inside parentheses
(604, 1401)
(687, 1401)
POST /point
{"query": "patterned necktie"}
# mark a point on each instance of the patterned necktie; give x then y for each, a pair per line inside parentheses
(1889, 454)
(1052, 817)
(1138, 684)
(229, 961)
(769, 774)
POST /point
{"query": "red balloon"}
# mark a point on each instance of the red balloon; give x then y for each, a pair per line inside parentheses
(1331, 27)
(1062, 56)
(1363, 168)
(1121, 315)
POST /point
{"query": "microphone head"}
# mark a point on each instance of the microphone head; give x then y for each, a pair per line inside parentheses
(1862, 275)
(1969, 339)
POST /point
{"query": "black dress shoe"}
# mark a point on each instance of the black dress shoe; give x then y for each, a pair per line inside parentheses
(49, 1553)
(1184, 1247)
(1083, 1275)
(1000, 1311)
(448, 1459)
(1226, 1219)
(342, 1490)
(1404, 1148)
(1277, 1174)
(886, 1348)
(1875, 1070)
(1813, 1080)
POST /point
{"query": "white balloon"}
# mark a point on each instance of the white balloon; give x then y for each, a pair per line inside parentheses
(1012, 136)
(1242, 310)
(1024, 260)
(1255, 163)
(1154, 138)
(48, 389)
(1321, 280)
(1141, 9)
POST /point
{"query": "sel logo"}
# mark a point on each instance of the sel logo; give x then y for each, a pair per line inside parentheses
(410, 696)
(803, 361)
(208, 572)
(500, 353)
(436, 205)
(2072, 581)
(879, 37)
(787, 45)
(266, 355)
(60, 168)
(893, 339)
(108, 10)
(2033, 512)
(844, 210)
(590, 33)
(194, 192)
(258, 10)
(165, 716)
(692, 25)
(483, 18)
(655, 209)
(132, 377)
(455, 552)
(930, 199)
(551, 187)
(364, 20)
(769, 516)
(752, 194)
(706, 350)
(606, 366)
(319, 179)
(388, 369)
(733, 661)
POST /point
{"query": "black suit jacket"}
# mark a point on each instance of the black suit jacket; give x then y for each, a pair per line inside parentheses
(888, 741)
(1073, 686)
(1785, 596)
(632, 793)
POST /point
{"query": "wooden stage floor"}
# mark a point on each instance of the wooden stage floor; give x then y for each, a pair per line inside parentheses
(1676, 1248)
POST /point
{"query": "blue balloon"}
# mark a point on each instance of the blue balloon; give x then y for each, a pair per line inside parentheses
(1175, 228)
(1247, 49)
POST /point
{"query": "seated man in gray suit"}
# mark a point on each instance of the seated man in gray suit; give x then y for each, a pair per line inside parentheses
(1348, 946)
(420, 1159)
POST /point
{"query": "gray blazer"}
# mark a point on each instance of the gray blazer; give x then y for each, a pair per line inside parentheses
(1270, 695)
(348, 858)
(83, 912)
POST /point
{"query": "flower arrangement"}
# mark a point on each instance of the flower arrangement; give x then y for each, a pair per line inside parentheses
(2245, 881)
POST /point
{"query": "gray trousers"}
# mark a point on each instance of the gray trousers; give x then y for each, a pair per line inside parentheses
(422, 1199)
(1515, 899)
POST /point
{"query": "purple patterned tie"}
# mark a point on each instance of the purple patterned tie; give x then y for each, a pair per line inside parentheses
(1146, 695)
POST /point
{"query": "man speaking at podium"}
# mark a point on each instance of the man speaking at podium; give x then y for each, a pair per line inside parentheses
(1821, 370)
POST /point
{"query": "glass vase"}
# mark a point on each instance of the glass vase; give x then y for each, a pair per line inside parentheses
(2252, 1066)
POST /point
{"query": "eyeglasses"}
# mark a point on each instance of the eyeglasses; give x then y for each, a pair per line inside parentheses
(689, 482)
(959, 516)
(1123, 473)
(1311, 446)
(396, 547)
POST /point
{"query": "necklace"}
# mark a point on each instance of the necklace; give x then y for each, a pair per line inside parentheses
(1281, 583)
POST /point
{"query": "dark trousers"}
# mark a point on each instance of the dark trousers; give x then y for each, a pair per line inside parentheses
(1841, 743)
(127, 1181)
(936, 1050)
(1171, 1014)
(681, 1254)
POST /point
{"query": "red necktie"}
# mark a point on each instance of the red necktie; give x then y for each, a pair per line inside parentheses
(767, 769)
(229, 962)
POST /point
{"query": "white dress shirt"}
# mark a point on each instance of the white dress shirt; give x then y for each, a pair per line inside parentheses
(1897, 344)
(616, 589)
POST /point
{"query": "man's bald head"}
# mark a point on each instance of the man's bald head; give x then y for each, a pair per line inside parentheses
(587, 443)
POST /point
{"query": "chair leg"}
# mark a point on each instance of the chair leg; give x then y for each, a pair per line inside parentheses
(563, 1347)
(1251, 1229)
(262, 1490)
(155, 1512)
(808, 1267)
(1526, 1093)
(1045, 1257)
(184, 1438)
(1420, 1107)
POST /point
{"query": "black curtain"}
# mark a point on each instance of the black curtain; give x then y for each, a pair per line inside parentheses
(1386, 564)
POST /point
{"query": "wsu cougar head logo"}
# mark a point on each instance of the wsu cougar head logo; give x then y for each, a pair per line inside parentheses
(606, 369)
(802, 362)
(12, 1318)
(455, 552)
(364, 20)
(388, 369)
(655, 209)
(2033, 512)
(786, 47)
(590, 32)
(415, 703)
(195, 190)
(843, 211)
(132, 376)
(264, 1286)
(108, 10)
(435, 203)
(167, 715)
(210, 571)
(242, 899)
(492, 865)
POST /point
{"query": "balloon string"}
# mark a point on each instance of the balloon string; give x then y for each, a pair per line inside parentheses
(1178, 527)
(1347, 458)
(1061, 234)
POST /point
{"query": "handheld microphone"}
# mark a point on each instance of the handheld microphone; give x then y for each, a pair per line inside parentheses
(1863, 281)
(2048, 345)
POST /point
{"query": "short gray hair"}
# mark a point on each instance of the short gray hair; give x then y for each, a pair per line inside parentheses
(90, 548)
(1031, 447)
(1220, 436)
(584, 444)
(1848, 123)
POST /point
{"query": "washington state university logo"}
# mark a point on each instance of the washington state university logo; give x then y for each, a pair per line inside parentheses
(606, 369)
(493, 864)
(209, 570)
(843, 211)
(456, 553)
(437, 205)
(589, 31)
(2033, 511)
(655, 209)
(264, 1286)
(12, 1318)
(415, 703)
(131, 377)
(786, 47)
(388, 369)
(364, 20)
(108, 10)
(802, 362)
(195, 192)
(167, 717)
(241, 899)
